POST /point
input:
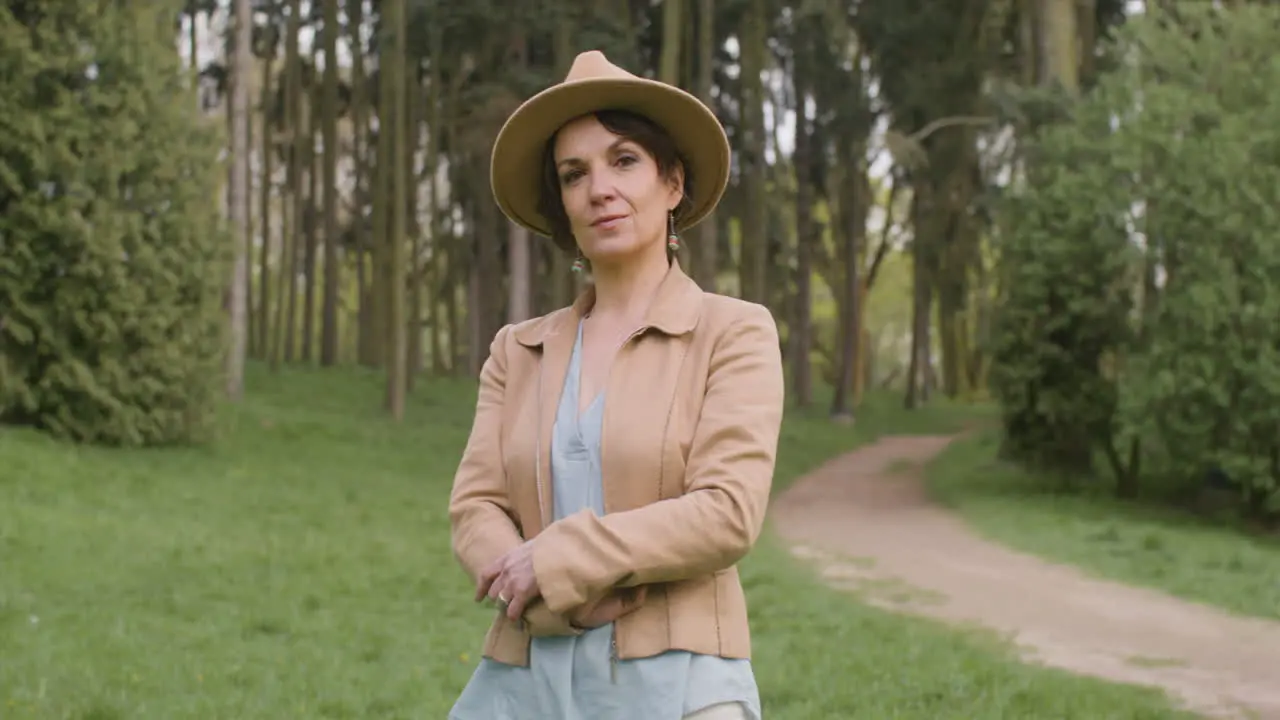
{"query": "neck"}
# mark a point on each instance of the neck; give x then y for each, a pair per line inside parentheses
(625, 290)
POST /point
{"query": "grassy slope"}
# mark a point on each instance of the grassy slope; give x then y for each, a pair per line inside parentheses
(1111, 539)
(301, 569)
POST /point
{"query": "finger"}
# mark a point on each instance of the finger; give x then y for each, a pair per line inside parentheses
(490, 573)
(519, 599)
(614, 610)
(485, 583)
(482, 588)
(499, 591)
(608, 611)
(515, 609)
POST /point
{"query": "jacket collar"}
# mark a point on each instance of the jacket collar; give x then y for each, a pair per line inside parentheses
(675, 311)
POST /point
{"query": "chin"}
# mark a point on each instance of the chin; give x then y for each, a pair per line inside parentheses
(614, 250)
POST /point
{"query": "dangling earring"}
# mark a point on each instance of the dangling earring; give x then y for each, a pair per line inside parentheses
(579, 265)
(673, 240)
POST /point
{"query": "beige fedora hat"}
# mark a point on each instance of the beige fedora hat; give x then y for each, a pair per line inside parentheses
(593, 84)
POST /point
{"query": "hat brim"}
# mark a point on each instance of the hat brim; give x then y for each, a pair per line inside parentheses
(515, 167)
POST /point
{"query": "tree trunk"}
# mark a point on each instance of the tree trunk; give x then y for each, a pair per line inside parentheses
(291, 200)
(519, 252)
(361, 239)
(672, 20)
(707, 262)
(329, 120)
(560, 281)
(239, 102)
(265, 211)
(436, 280)
(310, 223)
(520, 304)
(414, 268)
(297, 126)
(922, 247)
(1059, 39)
(397, 140)
(801, 332)
(753, 251)
(855, 196)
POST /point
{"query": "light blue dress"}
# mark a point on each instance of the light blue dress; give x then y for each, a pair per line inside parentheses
(570, 678)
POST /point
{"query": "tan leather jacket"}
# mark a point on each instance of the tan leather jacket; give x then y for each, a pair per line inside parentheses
(695, 402)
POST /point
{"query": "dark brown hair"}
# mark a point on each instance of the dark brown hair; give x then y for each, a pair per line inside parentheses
(635, 127)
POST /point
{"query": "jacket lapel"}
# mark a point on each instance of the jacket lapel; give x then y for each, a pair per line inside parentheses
(675, 311)
(554, 335)
(641, 395)
(556, 351)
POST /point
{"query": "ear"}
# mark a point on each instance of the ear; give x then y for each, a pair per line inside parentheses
(675, 186)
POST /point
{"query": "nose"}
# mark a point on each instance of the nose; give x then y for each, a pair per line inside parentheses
(601, 185)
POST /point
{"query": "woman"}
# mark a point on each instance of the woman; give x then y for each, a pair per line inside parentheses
(623, 448)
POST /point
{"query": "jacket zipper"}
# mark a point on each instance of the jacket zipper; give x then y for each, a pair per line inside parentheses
(613, 655)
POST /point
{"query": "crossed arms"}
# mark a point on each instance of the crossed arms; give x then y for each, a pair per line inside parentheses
(582, 559)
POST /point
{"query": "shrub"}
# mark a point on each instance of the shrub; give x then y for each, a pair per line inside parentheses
(1140, 318)
(113, 258)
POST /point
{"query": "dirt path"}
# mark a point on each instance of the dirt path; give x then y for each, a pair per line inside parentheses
(866, 521)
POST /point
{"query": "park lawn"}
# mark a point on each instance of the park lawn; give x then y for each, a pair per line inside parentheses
(1155, 548)
(301, 568)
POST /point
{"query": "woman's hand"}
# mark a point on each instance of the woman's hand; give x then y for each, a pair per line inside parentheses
(610, 607)
(510, 581)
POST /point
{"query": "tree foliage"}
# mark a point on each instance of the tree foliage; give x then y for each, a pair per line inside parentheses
(113, 259)
(1142, 260)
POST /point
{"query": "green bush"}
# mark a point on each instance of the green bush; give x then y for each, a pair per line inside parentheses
(113, 256)
(1141, 316)
(1064, 306)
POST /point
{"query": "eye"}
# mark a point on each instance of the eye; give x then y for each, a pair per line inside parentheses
(627, 160)
(570, 176)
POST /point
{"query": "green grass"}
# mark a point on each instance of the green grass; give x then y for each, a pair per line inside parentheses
(300, 568)
(1143, 546)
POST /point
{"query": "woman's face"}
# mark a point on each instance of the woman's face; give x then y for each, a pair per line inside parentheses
(616, 200)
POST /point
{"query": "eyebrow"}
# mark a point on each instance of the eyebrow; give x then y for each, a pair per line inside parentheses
(612, 147)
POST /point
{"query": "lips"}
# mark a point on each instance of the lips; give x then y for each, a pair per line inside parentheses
(607, 220)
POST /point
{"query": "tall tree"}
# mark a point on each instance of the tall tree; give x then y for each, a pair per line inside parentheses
(707, 259)
(519, 242)
(672, 20)
(752, 50)
(393, 108)
(329, 124)
(239, 101)
(801, 334)
(1060, 42)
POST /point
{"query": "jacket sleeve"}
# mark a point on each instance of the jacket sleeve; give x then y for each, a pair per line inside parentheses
(729, 476)
(540, 621)
(480, 511)
(480, 514)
